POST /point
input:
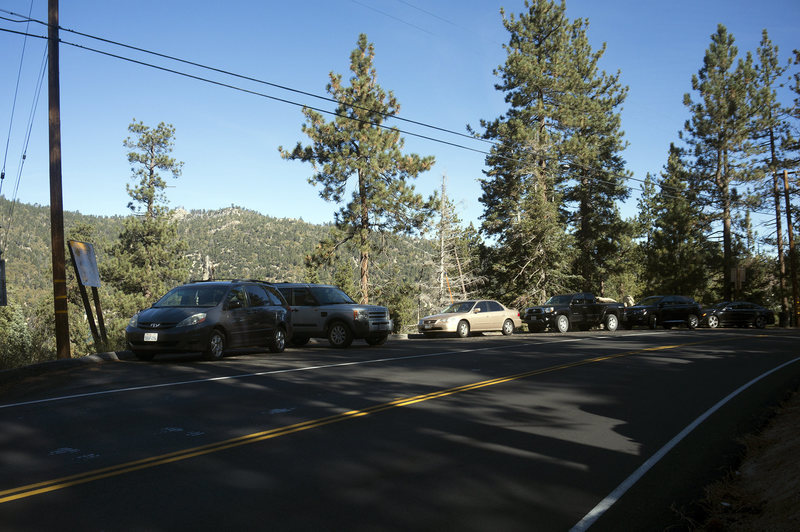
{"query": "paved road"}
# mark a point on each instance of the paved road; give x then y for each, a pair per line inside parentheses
(529, 432)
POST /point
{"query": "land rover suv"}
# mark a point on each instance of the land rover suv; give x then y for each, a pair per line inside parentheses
(325, 311)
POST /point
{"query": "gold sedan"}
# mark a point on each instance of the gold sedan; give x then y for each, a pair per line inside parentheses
(463, 317)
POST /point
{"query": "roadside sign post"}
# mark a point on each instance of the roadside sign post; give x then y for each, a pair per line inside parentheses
(85, 264)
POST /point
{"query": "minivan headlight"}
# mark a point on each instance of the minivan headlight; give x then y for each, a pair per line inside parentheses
(194, 319)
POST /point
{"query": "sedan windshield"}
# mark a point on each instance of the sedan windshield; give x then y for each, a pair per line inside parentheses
(193, 295)
(455, 308)
(330, 295)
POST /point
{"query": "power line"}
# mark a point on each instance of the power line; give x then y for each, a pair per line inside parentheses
(240, 76)
(294, 103)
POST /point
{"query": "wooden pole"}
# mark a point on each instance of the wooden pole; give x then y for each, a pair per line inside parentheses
(792, 260)
(56, 205)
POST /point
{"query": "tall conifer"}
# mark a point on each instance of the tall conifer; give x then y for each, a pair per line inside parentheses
(356, 150)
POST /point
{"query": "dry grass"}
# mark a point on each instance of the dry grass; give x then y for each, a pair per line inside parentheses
(764, 494)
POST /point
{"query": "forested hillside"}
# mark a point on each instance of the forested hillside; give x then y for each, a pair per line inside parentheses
(236, 242)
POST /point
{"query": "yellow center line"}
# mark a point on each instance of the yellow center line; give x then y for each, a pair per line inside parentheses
(154, 461)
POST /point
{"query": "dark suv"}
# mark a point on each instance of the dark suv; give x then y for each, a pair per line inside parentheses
(663, 310)
(209, 317)
(325, 311)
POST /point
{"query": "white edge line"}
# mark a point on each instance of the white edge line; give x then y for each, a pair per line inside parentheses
(626, 484)
(240, 376)
(259, 374)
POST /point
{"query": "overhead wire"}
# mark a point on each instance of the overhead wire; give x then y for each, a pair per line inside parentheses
(14, 101)
(24, 154)
(284, 100)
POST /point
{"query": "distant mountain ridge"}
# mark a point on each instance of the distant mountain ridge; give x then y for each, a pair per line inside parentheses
(233, 241)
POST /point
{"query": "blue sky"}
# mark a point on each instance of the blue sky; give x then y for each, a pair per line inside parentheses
(436, 56)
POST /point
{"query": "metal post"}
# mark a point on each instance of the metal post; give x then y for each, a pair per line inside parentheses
(56, 205)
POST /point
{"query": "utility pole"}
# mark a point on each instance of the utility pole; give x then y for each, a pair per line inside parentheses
(792, 260)
(56, 204)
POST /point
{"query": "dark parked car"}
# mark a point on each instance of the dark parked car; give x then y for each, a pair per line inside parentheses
(737, 314)
(209, 317)
(581, 311)
(325, 311)
(668, 311)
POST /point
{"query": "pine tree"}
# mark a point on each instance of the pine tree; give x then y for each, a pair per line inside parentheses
(558, 145)
(356, 148)
(149, 257)
(678, 254)
(770, 130)
(719, 130)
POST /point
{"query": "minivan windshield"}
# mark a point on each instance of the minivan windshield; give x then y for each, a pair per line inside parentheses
(193, 295)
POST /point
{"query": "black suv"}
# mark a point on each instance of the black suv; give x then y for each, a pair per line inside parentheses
(663, 310)
(325, 311)
(209, 317)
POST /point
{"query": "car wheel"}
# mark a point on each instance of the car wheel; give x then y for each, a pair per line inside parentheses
(339, 335)
(653, 322)
(562, 323)
(760, 322)
(278, 342)
(216, 346)
(692, 321)
(377, 340)
(463, 329)
(713, 321)
(300, 341)
(508, 327)
(612, 322)
(146, 357)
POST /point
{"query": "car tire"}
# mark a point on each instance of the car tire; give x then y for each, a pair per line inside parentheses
(653, 323)
(144, 357)
(692, 321)
(760, 322)
(562, 323)
(463, 329)
(508, 328)
(611, 322)
(299, 341)
(377, 340)
(713, 321)
(340, 335)
(278, 341)
(215, 349)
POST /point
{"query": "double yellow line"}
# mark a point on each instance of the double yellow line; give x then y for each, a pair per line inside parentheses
(31, 490)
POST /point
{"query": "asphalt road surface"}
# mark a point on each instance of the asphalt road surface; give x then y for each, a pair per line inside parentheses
(593, 430)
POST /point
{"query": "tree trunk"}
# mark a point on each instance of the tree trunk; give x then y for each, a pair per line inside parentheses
(364, 244)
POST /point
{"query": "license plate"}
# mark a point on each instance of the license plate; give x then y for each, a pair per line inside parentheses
(151, 337)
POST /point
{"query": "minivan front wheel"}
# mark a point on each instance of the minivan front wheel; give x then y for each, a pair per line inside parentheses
(339, 335)
(278, 341)
(216, 346)
(692, 321)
